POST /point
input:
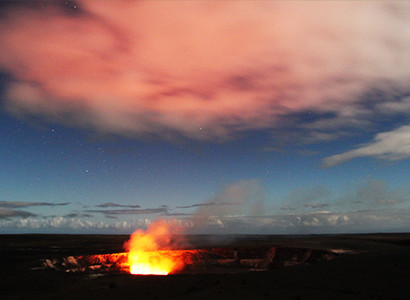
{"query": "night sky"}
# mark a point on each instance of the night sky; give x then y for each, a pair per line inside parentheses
(221, 117)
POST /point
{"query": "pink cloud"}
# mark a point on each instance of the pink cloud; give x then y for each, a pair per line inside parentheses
(199, 69)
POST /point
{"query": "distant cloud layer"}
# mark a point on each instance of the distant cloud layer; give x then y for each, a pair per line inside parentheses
(20, 204)
(313, 222)
(370, 205)
(208, 70)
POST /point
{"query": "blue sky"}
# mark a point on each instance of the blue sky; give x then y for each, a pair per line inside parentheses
(279, 118)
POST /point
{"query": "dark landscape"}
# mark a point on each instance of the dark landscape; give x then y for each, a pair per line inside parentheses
(358, 266)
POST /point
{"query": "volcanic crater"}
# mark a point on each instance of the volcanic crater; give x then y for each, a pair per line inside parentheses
(212, 260)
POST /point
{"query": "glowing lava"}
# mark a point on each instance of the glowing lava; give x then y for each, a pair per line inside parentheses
(146, 254)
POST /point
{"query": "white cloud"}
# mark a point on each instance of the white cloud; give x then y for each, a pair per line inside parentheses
(391, 145)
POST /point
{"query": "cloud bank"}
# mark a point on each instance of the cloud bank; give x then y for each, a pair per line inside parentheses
(371, 205)
(385, 220)
(206, 70)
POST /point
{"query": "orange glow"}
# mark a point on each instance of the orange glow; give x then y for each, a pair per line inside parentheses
(147, 254)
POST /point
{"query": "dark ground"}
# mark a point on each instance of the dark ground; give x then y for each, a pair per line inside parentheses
(380, 269)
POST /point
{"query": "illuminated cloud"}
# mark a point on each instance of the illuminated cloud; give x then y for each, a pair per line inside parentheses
(202, 70)
(391, 145)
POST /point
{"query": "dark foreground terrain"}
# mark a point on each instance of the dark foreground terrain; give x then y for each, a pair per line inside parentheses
(379, 268)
